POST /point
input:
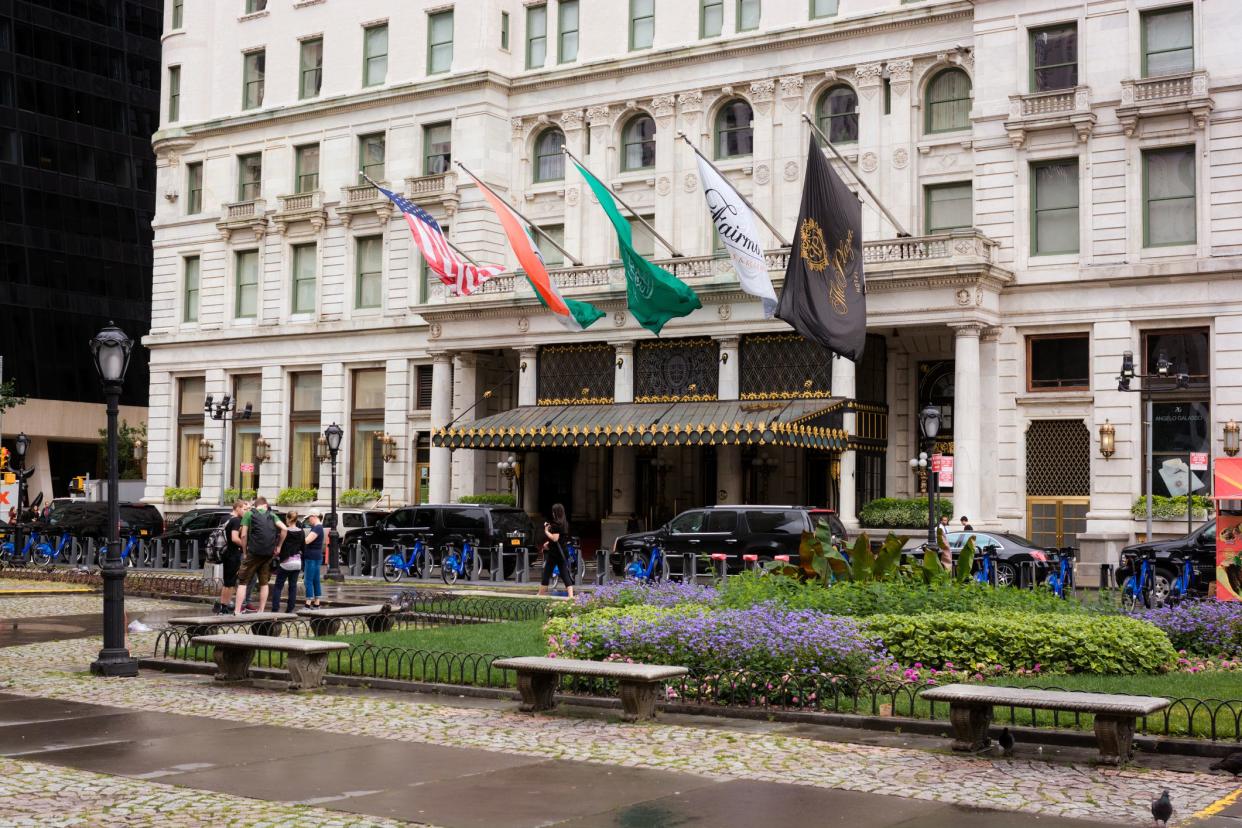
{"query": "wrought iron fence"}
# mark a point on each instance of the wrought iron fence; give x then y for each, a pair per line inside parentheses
(142, 581)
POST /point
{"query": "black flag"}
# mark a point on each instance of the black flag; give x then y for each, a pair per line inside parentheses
(824, 297)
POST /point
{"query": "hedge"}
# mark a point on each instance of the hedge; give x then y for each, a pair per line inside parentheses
(491, 499)
(184, 495)
(359, 497)
(231, 495)
(1171, 508)
(293, 496)
(901, 513)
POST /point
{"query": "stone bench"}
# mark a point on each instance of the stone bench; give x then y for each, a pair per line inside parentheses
(327, 621)
(259, 623)
(970, 711)
(538, 677)
(307, 660)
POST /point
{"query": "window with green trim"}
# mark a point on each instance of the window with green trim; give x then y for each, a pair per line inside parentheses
(536, 36)
(246, 265)
(948, 207)
(437, 148)
(1054, 207)
(948, 101)
(748, 14)
(711, 18)
(174, 94)
(194, 188)
(253, 6)
(1168, 41)
(369, 265)
(190, 292)
(735, 137)
(552, 256)
(304, 256)
(823, 8)
(1169, 196)
(642, 24)
(178, 14)
(549, 160)
(306, 168)
(249, 176)
(837, 114)
(439, 42)
(371, 149)
(254, 66)
(312, 68)
(504, 30)
(374, 54)
(638, 150)
(641, 240)
(1054, 57)
(567, 31)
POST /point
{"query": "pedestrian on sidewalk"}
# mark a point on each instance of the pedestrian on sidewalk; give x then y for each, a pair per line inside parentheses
(289, 563)
(312, 557)
(557, 532)
(942, 543)
(262, 535)
(230, 558)
(966, 527)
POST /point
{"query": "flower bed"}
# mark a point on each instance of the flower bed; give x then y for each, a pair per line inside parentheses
(634, 593)
(1210, 628)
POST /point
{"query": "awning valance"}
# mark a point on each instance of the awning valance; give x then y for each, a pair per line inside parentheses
(811, 424)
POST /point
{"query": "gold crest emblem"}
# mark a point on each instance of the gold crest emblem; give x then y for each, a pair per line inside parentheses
(814, 249)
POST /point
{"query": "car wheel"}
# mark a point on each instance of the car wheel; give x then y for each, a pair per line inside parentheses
(1162, 586)
(1006, 575)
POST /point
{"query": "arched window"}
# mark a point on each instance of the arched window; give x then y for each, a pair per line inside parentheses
(734, 136)
(837, 115)
(549, 160)
(948, 101)
(638, 142)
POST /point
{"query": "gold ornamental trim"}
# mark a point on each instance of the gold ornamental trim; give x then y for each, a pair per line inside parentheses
(575, 401)
(668, 398)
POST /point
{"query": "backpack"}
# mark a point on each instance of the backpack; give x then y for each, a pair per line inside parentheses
(262, 536)
(216, 544)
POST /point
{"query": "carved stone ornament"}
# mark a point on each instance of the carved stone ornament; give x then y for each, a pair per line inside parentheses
(978, 296)
(725, 312)
(571, 197)
(963, 297)
(690, 101)
(762, 174)
(599, 115)
(869, 162)
(791, 86)
(523, 324)
(663, 105)
(517, 126)
(618, 319)
(868, 75)
(899, 71)
(761, 91)
(434, 331)
(664, 185)
(791, 171)
(900, 158)
(571, 119)
(691, 182)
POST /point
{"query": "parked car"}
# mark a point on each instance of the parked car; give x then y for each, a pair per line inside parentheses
(90, 519)
(829, 516)
(1011, 552)
(1199, 547)
(490, 525)
(196, 525)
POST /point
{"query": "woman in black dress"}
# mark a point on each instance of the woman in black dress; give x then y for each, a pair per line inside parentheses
(554, 556)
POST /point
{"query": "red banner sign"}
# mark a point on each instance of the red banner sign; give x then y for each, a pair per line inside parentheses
(1229, 557)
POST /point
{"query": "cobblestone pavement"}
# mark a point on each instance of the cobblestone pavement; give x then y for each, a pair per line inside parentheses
(1035, 787)
(14, 586)
(49, 796)
(45, 606)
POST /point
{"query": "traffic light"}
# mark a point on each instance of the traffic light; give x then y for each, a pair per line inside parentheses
(4, 458)
(78, 484)
(9, 478)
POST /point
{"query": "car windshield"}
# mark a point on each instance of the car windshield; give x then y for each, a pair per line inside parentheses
(510, 520)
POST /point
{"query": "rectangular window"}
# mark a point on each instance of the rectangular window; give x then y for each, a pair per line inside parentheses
(888, 97)
(552, 257)
(642, 24)
(437, 148)
(250, 176)
(1054, 58)
(536, 36)
(1168, 41)
(370, 276)
(190, 295)
(190, 398)
(439, 42)
(247, 300)
(304, 419)
(306, 168)
(711, 18)
(374, 54)
(1058, 363)
(747, 15)
(950, 207)
(178, 14)
(174, 94)
(640, 237)
(422, 387)
(371, 156)
(504, 30)
(253, 6)
(567, 33)
(1169, 196)
(1183, 424)
(247, 391)
(367, 452)
(312, 68)
(823, 8)
(254, 66)
(1054, 207)
(304, 256)
(194, 188)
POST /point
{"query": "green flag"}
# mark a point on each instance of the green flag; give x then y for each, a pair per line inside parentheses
(654, 295)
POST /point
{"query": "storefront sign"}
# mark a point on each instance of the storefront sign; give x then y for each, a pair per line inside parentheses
(1198, 461)
(942, 464)
(247, 467)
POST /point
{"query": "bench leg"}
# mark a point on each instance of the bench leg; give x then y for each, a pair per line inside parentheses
(970, 726)
(538, 691)
(267, 628)
(1115, 736)
(638, 700)
(380, 623)
(232, 664)
(325, 626)
(306, 670)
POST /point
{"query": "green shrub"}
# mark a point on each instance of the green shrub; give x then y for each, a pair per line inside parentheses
(1170, 508)
(239, 494)
(901, 513)
(492, 499)
(293, 496)
(184, 495)
(359, 497)
(1020, 640)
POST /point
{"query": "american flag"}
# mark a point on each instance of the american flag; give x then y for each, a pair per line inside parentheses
(460, 275)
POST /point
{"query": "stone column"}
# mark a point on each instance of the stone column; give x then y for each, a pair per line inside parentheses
(465, 395)
(528, 376)
(729, 386)
(441, 414)
(967, 465)
(728, 474)
(334, 408)
(396, 422)
(623, 379)
(989, 402)
(843, 371)
(530, 482)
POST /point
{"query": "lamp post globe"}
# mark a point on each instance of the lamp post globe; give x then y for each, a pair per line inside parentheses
(111, 349)
(332, 434)
(23, 443)
(929, 421)
(332, 441)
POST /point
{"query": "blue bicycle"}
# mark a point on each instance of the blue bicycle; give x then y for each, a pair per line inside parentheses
(649, 564)
(465, 563)
(1061, 579)
(8, 550)
(131, 552)
(45, 554)
(415, 561)
(1138, 588)
(1183, 581)
(573, 558)
(986, 574)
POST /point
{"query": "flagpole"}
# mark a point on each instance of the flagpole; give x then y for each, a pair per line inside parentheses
(746, 201)
(457, 249)
(901, 231)
(676, 253)
(534, 226)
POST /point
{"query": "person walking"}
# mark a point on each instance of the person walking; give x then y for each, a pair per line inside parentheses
(557, 532)
(289, 563)
(966, 527)
(262, 535)
(312, 557)
(942, 543)
(230, 557)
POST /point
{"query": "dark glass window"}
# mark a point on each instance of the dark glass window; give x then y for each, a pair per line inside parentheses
(1058, 363)
(465, 520)
(1054, 58)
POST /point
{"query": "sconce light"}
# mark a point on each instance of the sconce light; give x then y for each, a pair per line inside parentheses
(523, 366)
(321, 448)
(724, 358)
(620, 361)
(1231, 437)
(1108, 439)
(487, 395)
(585, 391)
(693, 387)
(205, 451)
(140, 450)
(806, 384)
(262, 450)
(388, 444)
(1163, 366)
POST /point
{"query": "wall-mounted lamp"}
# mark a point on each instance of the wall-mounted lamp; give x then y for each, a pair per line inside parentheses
(724, 358)
(523, 366)
(140, 450)
(1108, 439)
(321, 448)
(585, 391)
(389, 446)
(262, 450)
(807, 384)
(693, 387)
(1231, 437)
(205, 449)
(620, 361)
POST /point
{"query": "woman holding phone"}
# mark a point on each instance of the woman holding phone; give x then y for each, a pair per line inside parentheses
(556, 530)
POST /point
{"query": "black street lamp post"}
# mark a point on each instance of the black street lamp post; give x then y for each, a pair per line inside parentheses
(929, 425)
(22, 444)
(111, 349)
(332, 436)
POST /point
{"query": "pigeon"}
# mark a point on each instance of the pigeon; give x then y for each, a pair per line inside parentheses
(1231, 763)
(1162, 808)
(1006, 742)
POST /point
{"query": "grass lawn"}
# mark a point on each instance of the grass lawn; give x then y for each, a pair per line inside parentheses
(510, 638)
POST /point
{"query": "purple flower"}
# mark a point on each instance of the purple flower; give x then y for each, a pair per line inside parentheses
(1201, 627)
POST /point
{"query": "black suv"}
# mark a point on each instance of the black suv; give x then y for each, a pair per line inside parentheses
(197, 525)
(1199, 547)
(488, 524)
(732, 530)
(89, 519)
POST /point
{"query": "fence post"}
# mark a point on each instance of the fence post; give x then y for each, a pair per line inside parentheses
(603, 565)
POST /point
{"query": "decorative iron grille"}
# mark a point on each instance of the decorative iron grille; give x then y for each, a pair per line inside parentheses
(1058, 458)
(784, 366)
(666, 370)
(576, 374)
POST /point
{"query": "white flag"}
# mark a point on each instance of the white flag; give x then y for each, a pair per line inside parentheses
(736, 225)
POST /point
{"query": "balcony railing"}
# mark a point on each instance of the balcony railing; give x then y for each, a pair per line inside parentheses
(430, 185)
(243, 215)
(359, 194)
(243, 210)
(1167, 95)
(301, 201)
(1058, 109)
(301, 207)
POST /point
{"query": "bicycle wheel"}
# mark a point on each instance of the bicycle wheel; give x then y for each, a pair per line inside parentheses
(394, 569)
(580, 568)
(1129, 601)
(636, 569)
(6, 552)
(42, 554)
(448, 567)
(475, 568)
(427, 564)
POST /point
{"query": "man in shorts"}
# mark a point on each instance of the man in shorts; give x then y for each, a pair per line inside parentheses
(262, 534)
(232, 557)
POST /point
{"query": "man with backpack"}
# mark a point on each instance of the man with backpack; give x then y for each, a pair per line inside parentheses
(262, 535)
(226, 540)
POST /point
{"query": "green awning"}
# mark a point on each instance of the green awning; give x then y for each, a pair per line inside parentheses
(799, 423)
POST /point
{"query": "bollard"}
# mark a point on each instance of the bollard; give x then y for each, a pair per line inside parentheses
(602, 566)
(523, 572)
(1106, 577)
(689, 567)
(1026, 575)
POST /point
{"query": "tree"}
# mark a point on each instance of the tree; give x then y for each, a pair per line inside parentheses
(9, 397)
(126, 435)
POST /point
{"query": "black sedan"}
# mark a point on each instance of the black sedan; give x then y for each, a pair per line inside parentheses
(1011, 552)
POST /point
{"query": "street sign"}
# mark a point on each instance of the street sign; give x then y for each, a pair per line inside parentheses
(247, 467)
(1198, 461)
(942, 464)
